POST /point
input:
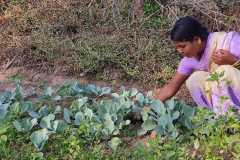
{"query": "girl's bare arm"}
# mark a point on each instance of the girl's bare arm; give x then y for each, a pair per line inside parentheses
(170, 89)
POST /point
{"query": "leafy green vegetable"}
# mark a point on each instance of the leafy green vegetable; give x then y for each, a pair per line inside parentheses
(96, 111)
(46, 122)
(163, 117)
(114, 143)
(39, 138)
(27, 107)
(25, 124)
(43, 111)
(59, 126)
(67, 115)
(79, 117)
(3, 110)
(149, 125)
(108, 124)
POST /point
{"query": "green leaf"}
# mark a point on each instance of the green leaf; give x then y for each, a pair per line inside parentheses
(105, 106)
(77, 87)
(25, 124)
(197, 144)
(124, 104)
(127, 122)
(39, 138)
(18, 92)
(57, 98)
(92, 89)
(67, 115)
(105, 91)
(170, 104)
(174, 133)
(148, 101)
(116, 132)
(140, 98)
(48, 92)
(188, 111)
(81, 102)
(27, 107)
(164, 120)
(175, 115)
(133, 92)
(158, 107)
(160, 130)
(34, 114)
(136, 109)
(37, 156)
(66, 89)
(123, 92)
(79, 117)
(149, 125)
(46, 121)
(123, 123)
(43, 111)
(144, 113)
(88, 113)
(115, 95)
(15, 107)
(4, 129)
(114, 143)
(108, 123)
(188, 123)
(59, 126)
(57, 110)
(5, 97)
(3, 110)
(3, 138)
(170, 155)
(141, 132)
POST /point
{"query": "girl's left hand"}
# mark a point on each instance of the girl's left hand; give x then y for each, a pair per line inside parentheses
(223, 57)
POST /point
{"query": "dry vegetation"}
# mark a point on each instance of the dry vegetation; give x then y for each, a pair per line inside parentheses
(101, 38)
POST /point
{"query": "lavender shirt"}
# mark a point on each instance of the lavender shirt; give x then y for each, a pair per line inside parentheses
(188, 65)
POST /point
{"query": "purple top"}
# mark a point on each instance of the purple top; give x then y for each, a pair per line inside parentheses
(188, 65)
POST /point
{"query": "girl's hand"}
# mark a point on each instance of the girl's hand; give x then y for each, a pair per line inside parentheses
(223, 57)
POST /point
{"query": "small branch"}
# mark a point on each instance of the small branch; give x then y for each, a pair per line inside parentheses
(9, 63)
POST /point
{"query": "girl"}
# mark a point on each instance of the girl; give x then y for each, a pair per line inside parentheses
(209, 66)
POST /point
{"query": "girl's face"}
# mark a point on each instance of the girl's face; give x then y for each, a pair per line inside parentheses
(191, 49)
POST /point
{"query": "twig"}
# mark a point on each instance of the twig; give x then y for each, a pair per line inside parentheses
(168, 8)
(90, 4)
(8, 65)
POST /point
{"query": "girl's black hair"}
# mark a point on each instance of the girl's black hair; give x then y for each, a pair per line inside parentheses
(186, 28)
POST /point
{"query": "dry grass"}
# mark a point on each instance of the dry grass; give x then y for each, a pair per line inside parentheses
(93, 38)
